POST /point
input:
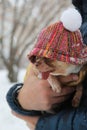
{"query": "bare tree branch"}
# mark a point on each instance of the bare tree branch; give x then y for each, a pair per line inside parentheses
(25, 22)
(36, 23)
(26, 25)
(2, 33)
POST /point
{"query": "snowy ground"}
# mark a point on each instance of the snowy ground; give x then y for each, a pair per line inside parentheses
(7, 120)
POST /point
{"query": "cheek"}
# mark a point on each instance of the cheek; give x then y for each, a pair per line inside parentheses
(59, 70)
(41, 67)
(44, 68)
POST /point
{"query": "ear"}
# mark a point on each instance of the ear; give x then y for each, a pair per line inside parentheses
(32, 59)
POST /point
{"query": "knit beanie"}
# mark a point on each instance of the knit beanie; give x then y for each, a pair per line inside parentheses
(62, 40)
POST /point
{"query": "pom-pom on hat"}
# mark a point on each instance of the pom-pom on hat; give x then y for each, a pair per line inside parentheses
(71, 19)
(62, 40)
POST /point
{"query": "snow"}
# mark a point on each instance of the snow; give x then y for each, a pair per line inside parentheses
(20, 2)
(7, 120)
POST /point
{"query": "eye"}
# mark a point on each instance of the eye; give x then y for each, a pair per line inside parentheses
(48, 61)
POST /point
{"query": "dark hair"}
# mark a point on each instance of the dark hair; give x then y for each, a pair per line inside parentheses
(83, 30)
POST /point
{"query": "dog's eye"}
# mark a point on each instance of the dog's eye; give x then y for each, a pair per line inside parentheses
(48, 61)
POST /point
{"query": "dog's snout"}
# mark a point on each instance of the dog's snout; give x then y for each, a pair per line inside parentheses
(37, 63)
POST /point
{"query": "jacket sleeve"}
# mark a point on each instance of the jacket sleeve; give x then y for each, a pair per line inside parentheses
(73, 119)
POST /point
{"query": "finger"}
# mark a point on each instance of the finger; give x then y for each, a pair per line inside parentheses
(64, 91)
(59, 99)
(19, 116)
(67, 90)
(69, 78)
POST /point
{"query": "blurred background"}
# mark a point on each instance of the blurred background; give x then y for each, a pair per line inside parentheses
(20, 23)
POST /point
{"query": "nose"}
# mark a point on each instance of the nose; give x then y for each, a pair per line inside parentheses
(37, 64)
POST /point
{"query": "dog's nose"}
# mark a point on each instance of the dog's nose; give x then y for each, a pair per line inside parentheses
(37, 64)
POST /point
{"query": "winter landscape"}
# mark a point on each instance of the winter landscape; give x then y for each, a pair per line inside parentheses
(7, 120)
(21, 21)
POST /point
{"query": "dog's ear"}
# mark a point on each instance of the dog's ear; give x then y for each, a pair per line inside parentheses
(33, 59)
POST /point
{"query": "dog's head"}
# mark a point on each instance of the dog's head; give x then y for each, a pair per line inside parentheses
(55, 67)
(62, 43)
(42, 64)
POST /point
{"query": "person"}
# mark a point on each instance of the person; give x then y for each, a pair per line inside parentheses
(81, 5)
(44, 101)
(67, 119)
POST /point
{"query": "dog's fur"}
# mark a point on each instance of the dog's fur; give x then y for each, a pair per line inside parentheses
(57, 68)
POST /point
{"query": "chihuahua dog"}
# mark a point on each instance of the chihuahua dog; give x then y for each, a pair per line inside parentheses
(49, 69)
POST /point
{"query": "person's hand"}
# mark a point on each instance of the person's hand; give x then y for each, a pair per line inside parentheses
(37, 94)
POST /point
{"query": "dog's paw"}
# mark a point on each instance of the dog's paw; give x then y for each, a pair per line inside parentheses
(75, 102)
(56, 89)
